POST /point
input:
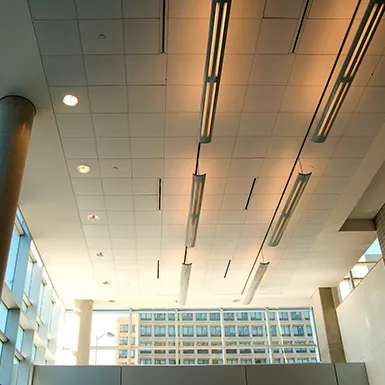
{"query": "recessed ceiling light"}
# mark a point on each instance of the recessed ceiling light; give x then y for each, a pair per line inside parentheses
(93, 217)
(83, 168)
(70, 100)
(111, 301)
(106, 283)
(100, 254)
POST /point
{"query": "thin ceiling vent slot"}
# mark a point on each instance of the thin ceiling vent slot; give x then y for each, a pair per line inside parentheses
(158, 270)
(159, 194)
(301, 25)
(227, 268)
(163, 26)
(250, 194)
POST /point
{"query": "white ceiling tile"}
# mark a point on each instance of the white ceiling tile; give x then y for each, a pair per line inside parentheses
(264, 201)
(342, 167)
(175, 186)
(187, 36)
(173, 217)
(339, 124)
(323, 202)
(204, 231)
(180, 167)
(242, 36)
(108, 98)
(315, 150)
(329, 9)
(185, 69)
(75, 125)
(149, 243)
(151, 255)
(236, 69)
(276, 36)
(123, 243)
(311, 70)
(101, 36)
(58, 93)
(218, 148)
(64, 70)
(301, 99)
(332, 185)
(146, 202)
(119, 202)
(110, 125)
(257, 124)
(141, 36)
(259, 216)
(174, 231)
(378, 76)
(79, 147)
(146, 98)
(183, 98)
(263, 98)
(315, 165)
(323, 36)
(147, 147)
(276, 167)
(117, 185)
(251, 147)
(283, 9)
(180, 147)
(372, 100)
(293, 124)
(354, 96)
(122, 231)
(271, 69)
(238, 185)
(145, 186)
(115, 168)
(175, 244)
(176, 202)
(147, 125)
(121, 217)
(113, 147)
(214, 167)
(231, 98)
(315, 216)
(269, 185)
(284, 147)
(182, 124)
(232, 216)
(226, 124)
(60, 37)
(146, 69)
(234, 202)
(223, 244)
(90, 202)
(87, 186)
(364, 125)
(215, 185)
(99, 9)
(245, 168)
(228, 231)
(98, 243)
(350, 147)
(307, 229)
(367, 72)
(247, 9)
(189, 9)
(105, 70)
(101, 214)
(45, 9)
(256, 230)
(96, 231)
(72, 165)
(208, 217)
(148, 231)
(147, 168)
(148, 217)
(142, 9)
(377, 44)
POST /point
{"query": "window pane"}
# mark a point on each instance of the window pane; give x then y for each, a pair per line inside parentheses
(12, 258)
(19, 339)
(3, 316)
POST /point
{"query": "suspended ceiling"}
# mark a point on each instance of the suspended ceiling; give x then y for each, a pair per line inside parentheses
(136, 122)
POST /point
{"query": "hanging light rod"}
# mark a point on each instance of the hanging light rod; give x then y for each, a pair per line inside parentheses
(290, 205)
(184, 282)
(198, 184)
(350, 66)
(258, 276)
(219, 22)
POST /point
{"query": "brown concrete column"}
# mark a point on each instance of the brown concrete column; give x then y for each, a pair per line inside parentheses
(16, 118)
(83, 310)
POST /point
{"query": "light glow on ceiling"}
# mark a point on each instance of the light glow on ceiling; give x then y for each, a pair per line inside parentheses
(70, 100)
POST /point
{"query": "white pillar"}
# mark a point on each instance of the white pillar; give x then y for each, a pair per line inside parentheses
(83, 310)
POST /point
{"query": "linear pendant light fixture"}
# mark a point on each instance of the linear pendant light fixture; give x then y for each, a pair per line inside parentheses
(184, 282)
(255, 282)
(290, 205)
(198, 184)
(219, 22)
(350, 66)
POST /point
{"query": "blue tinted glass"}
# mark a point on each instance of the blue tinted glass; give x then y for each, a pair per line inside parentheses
(3, 316)
(12, 258)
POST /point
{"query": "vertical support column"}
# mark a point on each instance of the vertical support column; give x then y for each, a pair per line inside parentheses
(83, 310)
(328, 331)
(268, 330)
(16, 118)
(130, 338)
(379, 224)
(223, 337)
(177, 337)
(25, 365)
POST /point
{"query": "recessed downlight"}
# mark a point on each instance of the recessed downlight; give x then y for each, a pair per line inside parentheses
(106, 283)
(83, 168)
(93, 217)
(70, 100)
(100, 255)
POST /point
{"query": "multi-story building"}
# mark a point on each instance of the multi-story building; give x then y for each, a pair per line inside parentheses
(203, 337)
